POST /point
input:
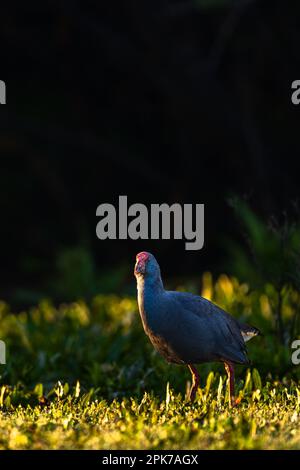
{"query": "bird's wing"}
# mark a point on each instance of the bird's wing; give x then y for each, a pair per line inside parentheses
(229, 342)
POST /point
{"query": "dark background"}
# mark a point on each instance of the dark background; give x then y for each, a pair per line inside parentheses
(164, 101)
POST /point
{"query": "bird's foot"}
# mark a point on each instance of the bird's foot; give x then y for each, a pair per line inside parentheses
(195, 384)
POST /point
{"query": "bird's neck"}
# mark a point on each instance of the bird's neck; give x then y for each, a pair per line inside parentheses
(150, 286)
(149, 292)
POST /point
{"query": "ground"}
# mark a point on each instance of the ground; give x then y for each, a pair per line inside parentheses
(267, 418)
(83, 375)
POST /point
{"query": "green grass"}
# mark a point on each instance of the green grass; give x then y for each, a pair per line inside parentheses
(266, 419)
(84, 376)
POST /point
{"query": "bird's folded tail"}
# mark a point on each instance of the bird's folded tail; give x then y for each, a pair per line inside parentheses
(248, 331)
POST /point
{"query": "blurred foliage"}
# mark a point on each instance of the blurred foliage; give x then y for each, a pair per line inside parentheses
(102, 342)
(77, 276)
(55, 354)
(270, 255)
(74, 275)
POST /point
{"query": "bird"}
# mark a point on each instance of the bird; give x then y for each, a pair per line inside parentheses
(188, 329)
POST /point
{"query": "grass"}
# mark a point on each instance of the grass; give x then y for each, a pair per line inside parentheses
(84, 376)
(268, 418)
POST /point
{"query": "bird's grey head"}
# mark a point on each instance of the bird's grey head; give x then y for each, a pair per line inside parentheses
(146, 266)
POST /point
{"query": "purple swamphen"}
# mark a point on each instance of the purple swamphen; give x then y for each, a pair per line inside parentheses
(188, 329)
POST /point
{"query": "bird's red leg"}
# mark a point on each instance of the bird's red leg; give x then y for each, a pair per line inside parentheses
(230, 372)
(195, 384)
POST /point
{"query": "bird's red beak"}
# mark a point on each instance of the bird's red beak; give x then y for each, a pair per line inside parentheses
(140, 265)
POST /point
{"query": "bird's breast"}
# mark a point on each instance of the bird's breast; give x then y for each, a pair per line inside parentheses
(154, 319)
(164, 348)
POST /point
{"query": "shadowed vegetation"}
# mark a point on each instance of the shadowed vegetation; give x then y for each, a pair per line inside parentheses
(84, 375)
